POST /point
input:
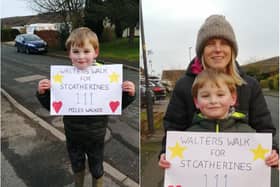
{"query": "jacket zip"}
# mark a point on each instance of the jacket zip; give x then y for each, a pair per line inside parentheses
(217, 128)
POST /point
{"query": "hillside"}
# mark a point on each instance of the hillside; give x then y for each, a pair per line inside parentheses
(267, 66)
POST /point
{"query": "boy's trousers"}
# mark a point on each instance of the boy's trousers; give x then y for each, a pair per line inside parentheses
(83, 139)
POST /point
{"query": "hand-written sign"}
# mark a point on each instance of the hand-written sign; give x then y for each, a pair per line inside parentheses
(217, 159)
(96, 90)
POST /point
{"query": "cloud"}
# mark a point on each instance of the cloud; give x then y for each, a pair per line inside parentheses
(171, 28)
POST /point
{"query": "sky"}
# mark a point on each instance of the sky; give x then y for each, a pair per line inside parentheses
(11, 8)
(171, 28)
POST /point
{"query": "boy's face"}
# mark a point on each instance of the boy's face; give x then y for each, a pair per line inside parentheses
(82, 57)
(214, 102)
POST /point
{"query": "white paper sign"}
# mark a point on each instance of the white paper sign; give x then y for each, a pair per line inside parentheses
(94, 91)
(217, 159)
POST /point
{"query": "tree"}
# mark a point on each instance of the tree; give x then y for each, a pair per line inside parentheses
(116, 14)
(94, 16)
(123, 14)
(70, 10)
(120, 13)
(132, 18)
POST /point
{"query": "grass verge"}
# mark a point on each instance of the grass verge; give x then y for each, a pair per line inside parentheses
(116, 50)
(120, 49)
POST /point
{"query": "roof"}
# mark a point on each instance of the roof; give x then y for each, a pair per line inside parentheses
(27, 20)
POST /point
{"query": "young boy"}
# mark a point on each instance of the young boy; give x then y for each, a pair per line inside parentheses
(215, 95)
(84, 134)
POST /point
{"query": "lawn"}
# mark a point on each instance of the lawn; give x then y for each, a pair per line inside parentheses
(119, 49)
(116, 50)
(157, 119)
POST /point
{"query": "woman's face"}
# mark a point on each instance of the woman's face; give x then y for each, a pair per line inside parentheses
(217, 53)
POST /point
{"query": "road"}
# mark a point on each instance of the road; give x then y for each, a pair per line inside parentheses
(273, 106)
(20, 74)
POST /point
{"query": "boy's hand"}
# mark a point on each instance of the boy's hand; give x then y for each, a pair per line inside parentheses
(129, 87)
(163, 163)
(272, 159)
(44, 85)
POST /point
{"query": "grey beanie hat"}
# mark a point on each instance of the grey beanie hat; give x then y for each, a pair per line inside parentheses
(215, 26)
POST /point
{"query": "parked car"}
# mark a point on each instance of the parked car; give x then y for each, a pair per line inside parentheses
(154, 78)
(144, 99)
(167, 85)
(30, 43)
(159, 90)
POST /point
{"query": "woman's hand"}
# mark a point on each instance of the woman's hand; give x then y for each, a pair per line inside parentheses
(44, 85)
(163, 163)
(129, 87)
(273, 159)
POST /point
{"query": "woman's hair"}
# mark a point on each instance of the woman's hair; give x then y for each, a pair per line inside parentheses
(216, 26)
(215, 77)
(231, 70)
(78, 37)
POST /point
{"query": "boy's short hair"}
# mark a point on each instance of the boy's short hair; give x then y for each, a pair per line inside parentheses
(215, 77)
(79, 36)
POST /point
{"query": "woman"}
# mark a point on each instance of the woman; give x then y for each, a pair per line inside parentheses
(216, 48)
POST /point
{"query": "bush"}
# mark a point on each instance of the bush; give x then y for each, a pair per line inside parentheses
(64, 33)
(270, 83)
(108, 35)
(276, 82)
(8, 34)
(264, 83)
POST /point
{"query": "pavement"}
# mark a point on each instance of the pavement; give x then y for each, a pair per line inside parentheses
(113, 177)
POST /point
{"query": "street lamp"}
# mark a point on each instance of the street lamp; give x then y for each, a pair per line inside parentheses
(150, 62)
(149, 53)
(190, 48)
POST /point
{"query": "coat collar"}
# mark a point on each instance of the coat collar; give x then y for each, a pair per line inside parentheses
(211, 124)
(195, 67)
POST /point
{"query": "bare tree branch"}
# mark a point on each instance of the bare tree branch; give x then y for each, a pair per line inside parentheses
(69, 9)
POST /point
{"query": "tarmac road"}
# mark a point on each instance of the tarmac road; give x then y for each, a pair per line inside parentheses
(20, 74)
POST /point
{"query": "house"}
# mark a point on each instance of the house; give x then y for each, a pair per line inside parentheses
(46, 21)
(126, 32)
(172, 76)
(42, 26)
(22, 21)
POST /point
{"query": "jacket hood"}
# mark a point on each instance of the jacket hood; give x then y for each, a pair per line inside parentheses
(195, 67)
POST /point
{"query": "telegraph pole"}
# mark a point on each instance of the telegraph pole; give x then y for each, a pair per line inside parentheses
(148, 90)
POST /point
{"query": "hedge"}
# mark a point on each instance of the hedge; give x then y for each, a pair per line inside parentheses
(8, 34)
(276, 82)
(264, 83)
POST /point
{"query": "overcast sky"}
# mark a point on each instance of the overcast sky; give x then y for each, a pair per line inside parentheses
(11, 8)
(171, 28)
